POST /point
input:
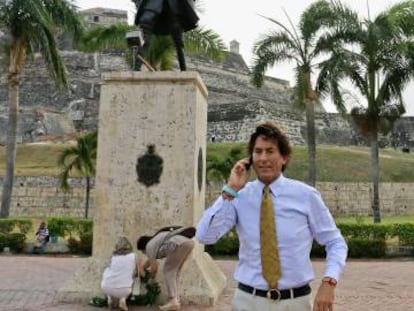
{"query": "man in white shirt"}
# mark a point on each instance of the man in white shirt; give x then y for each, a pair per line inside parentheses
(300, 216)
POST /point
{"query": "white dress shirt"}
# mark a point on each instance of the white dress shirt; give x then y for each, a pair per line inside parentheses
(300, 215)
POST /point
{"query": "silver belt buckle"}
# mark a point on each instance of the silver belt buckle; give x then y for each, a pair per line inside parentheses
(274, 291)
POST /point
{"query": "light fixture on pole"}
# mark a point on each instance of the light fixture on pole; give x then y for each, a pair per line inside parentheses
(135, 40)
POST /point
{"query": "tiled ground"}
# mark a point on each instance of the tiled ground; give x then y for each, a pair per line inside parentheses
(29, 283)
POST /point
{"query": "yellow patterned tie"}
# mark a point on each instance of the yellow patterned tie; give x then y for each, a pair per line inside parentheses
(268, 241)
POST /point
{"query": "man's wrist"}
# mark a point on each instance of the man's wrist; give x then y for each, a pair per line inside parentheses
(329, 281)
(227, 196)
(229, 191)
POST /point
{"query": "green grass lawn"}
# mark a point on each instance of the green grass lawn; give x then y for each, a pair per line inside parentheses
(339, 164)
(334, 164)
(352, 164)
(34, 159)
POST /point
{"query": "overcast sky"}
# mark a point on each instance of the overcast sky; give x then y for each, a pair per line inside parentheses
(239, 20)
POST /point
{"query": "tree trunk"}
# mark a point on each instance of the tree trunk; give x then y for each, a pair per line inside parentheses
(310, 131)
(10, 145)
(375, 177)
(88, 190)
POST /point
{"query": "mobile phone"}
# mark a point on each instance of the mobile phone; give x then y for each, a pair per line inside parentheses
(250, 162)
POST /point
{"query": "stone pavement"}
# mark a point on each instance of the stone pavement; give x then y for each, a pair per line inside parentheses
(29, 283)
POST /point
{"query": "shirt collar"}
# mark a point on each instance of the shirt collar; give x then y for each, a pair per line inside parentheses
(275, 185)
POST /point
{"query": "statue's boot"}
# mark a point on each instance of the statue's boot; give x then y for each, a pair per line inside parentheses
(146, 22)
(177, 36)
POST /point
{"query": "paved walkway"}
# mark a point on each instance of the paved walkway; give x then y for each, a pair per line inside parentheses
(29, 283)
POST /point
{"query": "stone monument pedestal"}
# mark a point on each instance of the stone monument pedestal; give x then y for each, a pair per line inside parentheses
(167, 110)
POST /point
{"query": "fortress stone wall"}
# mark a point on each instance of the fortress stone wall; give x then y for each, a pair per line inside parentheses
(41, 197)
(234, 109)
(234, 105)
(354, 199)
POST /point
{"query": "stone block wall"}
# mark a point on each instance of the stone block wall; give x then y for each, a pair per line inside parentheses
(41, 197)
(353, 199)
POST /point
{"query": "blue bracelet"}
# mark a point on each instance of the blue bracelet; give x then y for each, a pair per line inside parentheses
(230, 191)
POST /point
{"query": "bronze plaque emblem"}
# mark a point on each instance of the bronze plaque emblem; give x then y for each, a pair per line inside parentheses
(149, 167)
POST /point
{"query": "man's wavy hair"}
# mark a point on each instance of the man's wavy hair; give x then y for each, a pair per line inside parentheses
(269, 130)
(122, 246)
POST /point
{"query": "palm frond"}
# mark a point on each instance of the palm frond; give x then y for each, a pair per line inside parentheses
(204, 42)
(54, 62)
(65, 17)
(161, 52)
(276, 47)
(402, 15)
(291, 34)
(34, 23)
(332, 72)
(63, 180)
(104, 38)
(81, 158)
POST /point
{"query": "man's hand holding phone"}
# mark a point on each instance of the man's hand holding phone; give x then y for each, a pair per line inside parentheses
(239, 174)
(249, 164)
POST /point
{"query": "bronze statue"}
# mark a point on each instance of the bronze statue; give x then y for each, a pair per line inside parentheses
(166, 17)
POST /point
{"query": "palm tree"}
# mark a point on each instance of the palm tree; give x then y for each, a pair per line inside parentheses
(31, 25)
(300, 45)
(82, 158)
(220, 168)
(161, 53)
(377, 56)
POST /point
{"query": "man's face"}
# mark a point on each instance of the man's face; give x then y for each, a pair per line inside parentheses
(267, 160)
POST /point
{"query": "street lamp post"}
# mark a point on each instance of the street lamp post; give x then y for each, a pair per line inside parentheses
(135, 40)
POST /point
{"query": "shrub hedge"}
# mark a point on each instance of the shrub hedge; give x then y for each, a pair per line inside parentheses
(364, 240)
(13, 233)
(22, 225)
(78, 233)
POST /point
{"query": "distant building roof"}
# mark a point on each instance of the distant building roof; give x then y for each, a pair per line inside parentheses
(104, 16)
(105, 11)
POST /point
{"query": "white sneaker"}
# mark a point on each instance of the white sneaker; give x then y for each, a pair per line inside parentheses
(171, 306)
(122, 304)
(112, 302)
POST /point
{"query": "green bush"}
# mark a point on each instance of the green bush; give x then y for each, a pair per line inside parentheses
(82, 246)
(16, 242)
(227, 245)
(364, 240)
(83, 226)
(78, 233)
(360, 248)
(405, 234)
(7, 225)
(24, 225)
(3, 240)
(366, 231)
(318, 250)
(62, 226)
(68, 227)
